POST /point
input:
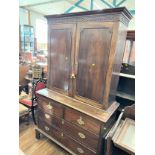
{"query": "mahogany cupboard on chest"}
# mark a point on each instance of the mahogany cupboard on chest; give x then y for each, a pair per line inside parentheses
(78, 107)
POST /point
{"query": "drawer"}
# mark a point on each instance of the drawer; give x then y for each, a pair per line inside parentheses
(50, 106)
(81, 135)
(51, 131)
(44, 126)
(49, 119)
(64, 139)
(76, 147)
(83, 120)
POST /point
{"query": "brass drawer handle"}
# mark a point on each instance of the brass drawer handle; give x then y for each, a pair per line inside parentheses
(47, 116)
(80, 150)
(49, 106)
(62, 134)
(62, 121)
(46, 128)
(81, 135)
(80, 121)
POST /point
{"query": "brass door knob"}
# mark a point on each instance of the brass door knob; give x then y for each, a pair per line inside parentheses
(72, 76)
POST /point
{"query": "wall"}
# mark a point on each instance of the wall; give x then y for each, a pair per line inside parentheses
(23, 17)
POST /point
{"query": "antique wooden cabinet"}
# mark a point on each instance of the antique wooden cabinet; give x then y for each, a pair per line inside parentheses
(78, 107)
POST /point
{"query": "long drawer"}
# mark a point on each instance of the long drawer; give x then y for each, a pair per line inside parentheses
(50, 106)
(82, 120)
(81, 135)
(77, 133)
(76, 147)
(65, 140)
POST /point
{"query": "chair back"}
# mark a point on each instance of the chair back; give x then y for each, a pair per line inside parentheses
(37, 85)
(23, 69)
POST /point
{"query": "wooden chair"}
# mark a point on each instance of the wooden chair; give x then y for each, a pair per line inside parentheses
(127, 112)
(30, 101)
(23, 113)
(23, 69)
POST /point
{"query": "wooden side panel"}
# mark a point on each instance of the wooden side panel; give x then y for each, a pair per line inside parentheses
(93, 54)
(120, 46)
(60, 51)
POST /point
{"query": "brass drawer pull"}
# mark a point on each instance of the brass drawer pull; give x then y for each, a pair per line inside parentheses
(49, 106)
(62, 134)
(80, 150)
(62, 121)
(81, 135)
(46, 128)
(80, 121)
(47, 116)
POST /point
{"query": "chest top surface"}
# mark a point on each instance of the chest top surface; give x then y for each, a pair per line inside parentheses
(87, 109)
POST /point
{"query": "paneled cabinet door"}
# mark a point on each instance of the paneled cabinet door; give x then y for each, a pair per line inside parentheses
(92, 57)
(61, 47)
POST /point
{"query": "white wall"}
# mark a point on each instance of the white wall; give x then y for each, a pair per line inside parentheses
(132, 24)
(23, 17)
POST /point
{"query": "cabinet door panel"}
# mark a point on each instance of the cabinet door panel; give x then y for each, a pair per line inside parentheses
(92, 60)
(61, 44)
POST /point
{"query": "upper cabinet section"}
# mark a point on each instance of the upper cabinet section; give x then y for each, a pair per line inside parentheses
(85, 51)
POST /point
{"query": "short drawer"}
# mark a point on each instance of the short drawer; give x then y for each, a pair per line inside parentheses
(76, 147)
(50, 106)
(82, 120)
(85, 137)
(50, 119)
(51, 131)
(44, 126)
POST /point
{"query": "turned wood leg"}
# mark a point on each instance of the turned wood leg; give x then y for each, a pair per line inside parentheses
(37, 134)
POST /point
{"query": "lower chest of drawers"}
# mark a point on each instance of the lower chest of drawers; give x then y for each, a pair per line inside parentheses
(65, 139)
(69, 127)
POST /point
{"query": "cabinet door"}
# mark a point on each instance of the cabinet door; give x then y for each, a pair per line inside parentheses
(92, 57)
(61, 45)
